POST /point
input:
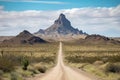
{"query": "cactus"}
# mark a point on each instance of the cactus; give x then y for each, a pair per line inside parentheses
(25, 63)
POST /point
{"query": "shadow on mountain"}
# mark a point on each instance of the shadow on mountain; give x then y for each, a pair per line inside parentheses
(98, 40)
(24, 37)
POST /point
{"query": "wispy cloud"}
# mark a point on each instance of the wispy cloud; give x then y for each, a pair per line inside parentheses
(102, 20)
(36, 1)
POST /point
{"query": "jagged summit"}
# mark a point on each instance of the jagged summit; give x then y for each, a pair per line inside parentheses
(61, 16)
(62, 21)
(60, 27)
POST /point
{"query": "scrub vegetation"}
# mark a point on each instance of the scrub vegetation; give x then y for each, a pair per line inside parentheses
(100, 60)
(19, 62)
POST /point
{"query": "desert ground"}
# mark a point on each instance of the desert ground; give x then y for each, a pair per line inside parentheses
(64, 61)
(63, 72)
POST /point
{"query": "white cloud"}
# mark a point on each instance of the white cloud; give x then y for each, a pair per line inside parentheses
(100, 20)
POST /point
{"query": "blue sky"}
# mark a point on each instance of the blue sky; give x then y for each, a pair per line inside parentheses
(91, 16)
(19, 5)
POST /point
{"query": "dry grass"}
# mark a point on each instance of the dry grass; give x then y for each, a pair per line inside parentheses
(94, 59)
(43, 54)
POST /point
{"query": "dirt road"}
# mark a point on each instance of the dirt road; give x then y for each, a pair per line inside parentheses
(63, 72)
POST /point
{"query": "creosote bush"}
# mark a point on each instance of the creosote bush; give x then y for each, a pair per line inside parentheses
(111, 67)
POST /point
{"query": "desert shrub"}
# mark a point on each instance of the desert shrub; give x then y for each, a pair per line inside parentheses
(82, 56)
(33, 70)
(118, 79)
(44, 59)
(1, 72)
(25, 63)
(111, 67)
(6, 65)
(15, 76)
(42, 69)
(79, 59)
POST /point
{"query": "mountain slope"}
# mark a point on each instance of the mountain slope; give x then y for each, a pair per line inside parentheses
(2, 38)
(62, 26)
(24, 37)
(61, 29)
(98, 39)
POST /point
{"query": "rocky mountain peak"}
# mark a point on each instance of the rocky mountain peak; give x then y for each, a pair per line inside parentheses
(25, 31)
(61, 28)
(62, 16)
(62, 21)
(25, 34)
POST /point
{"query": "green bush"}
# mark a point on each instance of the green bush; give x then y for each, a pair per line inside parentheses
(25, 63)
(111, 67)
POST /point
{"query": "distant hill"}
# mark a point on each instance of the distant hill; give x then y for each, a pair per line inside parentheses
(61, 30)
(115, 38)
(2, 38)
(24, 37)
(98, 39)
